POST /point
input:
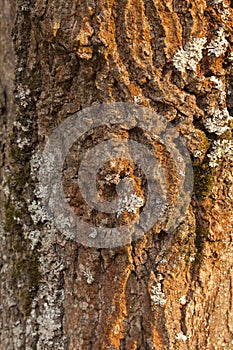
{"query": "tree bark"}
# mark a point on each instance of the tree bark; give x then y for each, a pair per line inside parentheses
(168, 290)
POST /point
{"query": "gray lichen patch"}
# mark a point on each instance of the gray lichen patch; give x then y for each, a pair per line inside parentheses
(189, 56)
(130, 203)
(221, 150)
(218, 121)
(219, 44)
(155, 288)
(157, 295)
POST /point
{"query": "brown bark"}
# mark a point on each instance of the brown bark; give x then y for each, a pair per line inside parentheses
(168, 290)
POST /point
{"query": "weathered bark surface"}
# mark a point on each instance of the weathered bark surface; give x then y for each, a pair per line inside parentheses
(7, 65)
(166, 291)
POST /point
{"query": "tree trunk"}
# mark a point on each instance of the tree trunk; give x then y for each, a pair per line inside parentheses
(170, 289)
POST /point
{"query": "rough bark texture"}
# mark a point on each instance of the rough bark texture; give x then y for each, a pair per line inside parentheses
(166, 291)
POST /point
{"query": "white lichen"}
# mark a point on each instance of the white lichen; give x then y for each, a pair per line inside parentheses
(230, 57)
(35, 164)
(17, 334)
(93, 233)
(33, 236)
(218, 45)
(219, 86)
(22, 143)
(47, 322)
(218, 121)
(183, 300)
(188, 57)
(19, 126)
(137, 99)
(37, 212)
(223, 8)
(162, 261)
(89, 277)
(129, 203)
(64, 223)
(225, 13)
(22, 95)
(46, 309)
(87, 273)
(197, 153)
(113, 178)
(181, 336)
(157, 295)
(222, 149)
(46, 312)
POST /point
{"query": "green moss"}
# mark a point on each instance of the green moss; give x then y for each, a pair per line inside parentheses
(18, 179)
(26, 265)
(201, 237)
(204, 177)
(11, 215)
(26, 271)
(25, 261)
(10, 211)
(228, 134)
(203, 147)
(14, 151)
